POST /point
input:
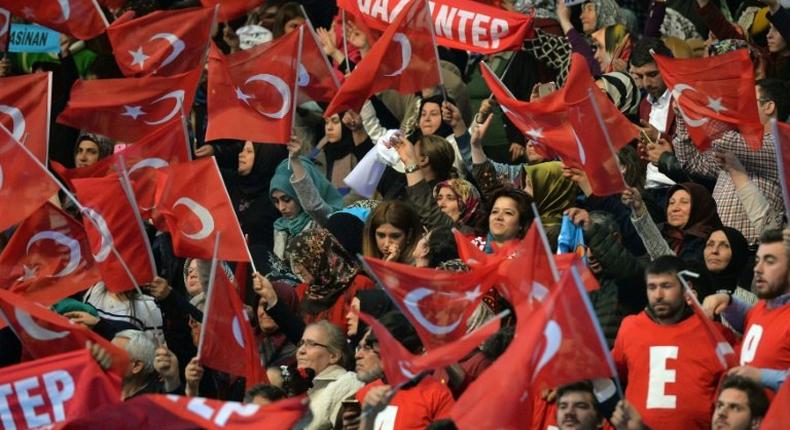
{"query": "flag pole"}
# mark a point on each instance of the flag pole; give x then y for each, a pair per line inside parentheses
(126, 184)
(83, 210)
(604, 129)
(345, 42)
(780, 164)
(311, 29)
(209, 294)
(504, 73)
(247, 248)
(597, 325)
(436, 52)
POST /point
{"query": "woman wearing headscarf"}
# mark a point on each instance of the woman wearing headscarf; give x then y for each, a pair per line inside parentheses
(308, 207)
(374, 302)
(552, 192)
(691, 217)
(274, 346)
(613, 46)
(330, 277)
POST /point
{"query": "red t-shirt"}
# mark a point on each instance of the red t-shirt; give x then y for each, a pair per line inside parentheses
(766, 340)
(413, 408)
(337, 313)
(671, 371)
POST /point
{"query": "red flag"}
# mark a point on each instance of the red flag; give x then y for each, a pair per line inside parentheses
(251, 94)
(317, 80)
(24, 183)
(437, 302)
(167, 144)
(567, 122)
(111, 220)
(82, 19)
(226, 340)
(24, 104)
(400, 365)
(48, 258)
(530, 270)
(723, 346)
(461, 24)
(163, 43)
(232, 9)
(714, 94)
(172, 412)
(44, 333)
(417, 66)
(779, 413)
(574, 347)
(510, 408)
(129, 109)
(193, 200)
(55, 389)
(781, 135)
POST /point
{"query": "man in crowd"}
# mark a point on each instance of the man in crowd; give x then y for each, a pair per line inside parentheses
(741, 405)
(577, 407)
(765, 348)
(665, 357)
(152, 370)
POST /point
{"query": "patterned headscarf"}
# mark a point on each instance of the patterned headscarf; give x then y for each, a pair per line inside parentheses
(318, 253)
(725, 46)
(467, 194)
(607, 12)
(623, 91)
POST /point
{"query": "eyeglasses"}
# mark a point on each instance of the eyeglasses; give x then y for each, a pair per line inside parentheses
(310, 344)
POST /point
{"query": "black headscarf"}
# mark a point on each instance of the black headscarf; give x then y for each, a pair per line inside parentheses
(444, 129)
(374, 302)
(729, 277)
(255, 182)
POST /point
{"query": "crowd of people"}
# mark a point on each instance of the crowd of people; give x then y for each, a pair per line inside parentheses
(464, 166)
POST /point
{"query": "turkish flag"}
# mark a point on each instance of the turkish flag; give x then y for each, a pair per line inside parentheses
(714, 94)
(195, 204)
(232, 9)
(82, 19)
(566, 121)
(130, 108)
(316, 79)
(171, 412)
(44, 333)
(511, 374)
(573, 347)
(778, 413)
(781, 135)
(530, 270)
(226, 340)
(251, 93)
(718, 341)
(417, 66)
(437, 302)
(55, 389)
(24, 183)
(165, 145)
(400, 365)
(48, 258)
(24, 110)
(111, 220)
(162, 43)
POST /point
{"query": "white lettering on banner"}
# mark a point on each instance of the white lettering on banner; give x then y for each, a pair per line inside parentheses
(660, 376)
(221, 416)
(58, 387)
(750, 343)
(483, 30)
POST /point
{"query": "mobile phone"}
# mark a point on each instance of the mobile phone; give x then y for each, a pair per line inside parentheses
(351, 404)
(546, 89)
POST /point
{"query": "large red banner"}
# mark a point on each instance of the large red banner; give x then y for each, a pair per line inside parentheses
(460, 24)
(54, 389)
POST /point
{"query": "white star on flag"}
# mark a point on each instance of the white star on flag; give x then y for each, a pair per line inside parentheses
(715, 104)
(472, 295)
(138, 57)
(535, 133)
(28, 12)
(30, 273)
(132, 111)
(242, 96)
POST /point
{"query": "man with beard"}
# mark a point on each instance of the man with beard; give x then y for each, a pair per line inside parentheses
(578, 408)
(741, 405)
(765, 348)
(413, 406)
(665, 357)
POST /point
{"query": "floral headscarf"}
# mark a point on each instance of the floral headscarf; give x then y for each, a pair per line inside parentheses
(318, 253)
(467, 194)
